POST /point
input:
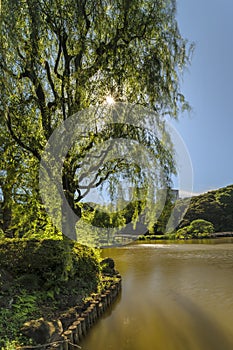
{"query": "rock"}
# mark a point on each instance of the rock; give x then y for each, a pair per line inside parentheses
(43, 332)
(68, 318)
(108, 266)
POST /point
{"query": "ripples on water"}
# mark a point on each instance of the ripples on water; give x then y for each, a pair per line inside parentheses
(174, 297)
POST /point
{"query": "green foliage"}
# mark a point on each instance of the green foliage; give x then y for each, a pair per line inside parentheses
(51, 261)
(110, 217)
(1, 234)
(197, 229)
(37, 276)
(19, 309)
(10, 345)
(214, 206)
(201, 226)
(21, 211)
(154, 237)
(136, 45)
(60, 57)
(160, 225)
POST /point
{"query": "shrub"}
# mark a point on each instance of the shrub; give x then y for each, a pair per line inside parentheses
(197, 229)
(51, 261)
(39, 276)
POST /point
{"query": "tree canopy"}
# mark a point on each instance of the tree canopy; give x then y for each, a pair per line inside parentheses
(198, 228)
(213, 206)
(58, 58)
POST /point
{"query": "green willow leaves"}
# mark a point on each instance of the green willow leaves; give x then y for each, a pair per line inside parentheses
(59, 57)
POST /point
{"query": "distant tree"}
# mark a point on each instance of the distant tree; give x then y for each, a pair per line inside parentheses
(59, 57)
(197, 229)
(161, 224)
(214, 206)
(201, 226)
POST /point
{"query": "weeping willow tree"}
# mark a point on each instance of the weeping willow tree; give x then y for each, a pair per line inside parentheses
(58, 58)
(20, 206)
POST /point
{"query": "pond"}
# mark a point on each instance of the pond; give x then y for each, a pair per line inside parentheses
(175, 296)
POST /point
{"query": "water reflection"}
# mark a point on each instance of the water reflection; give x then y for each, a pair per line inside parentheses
(205, 330)
(174, 297)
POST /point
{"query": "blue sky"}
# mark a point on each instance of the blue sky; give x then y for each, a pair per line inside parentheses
(208, 85)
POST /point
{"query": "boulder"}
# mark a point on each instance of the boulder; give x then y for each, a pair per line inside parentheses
(108, 266)
(43, 332)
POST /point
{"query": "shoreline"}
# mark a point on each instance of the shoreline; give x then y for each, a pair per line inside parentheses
(91, 311)
(165, 237)
(78, 330)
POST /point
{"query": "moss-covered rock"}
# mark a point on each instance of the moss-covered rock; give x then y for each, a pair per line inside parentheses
(42, 331)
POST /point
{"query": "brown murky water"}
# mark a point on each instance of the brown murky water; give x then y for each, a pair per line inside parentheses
(174, 297)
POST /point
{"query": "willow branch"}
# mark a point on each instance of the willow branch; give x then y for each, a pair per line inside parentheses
(19, 141)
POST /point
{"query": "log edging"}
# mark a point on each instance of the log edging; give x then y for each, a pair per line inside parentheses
(79, 328)
(70, 338)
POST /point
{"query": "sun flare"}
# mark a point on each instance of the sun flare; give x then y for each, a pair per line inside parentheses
(110, 100)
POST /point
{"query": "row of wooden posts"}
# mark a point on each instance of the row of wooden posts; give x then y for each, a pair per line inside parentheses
(78, 330)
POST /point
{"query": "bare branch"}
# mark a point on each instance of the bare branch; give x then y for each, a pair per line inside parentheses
(101, 180)
(103, 154)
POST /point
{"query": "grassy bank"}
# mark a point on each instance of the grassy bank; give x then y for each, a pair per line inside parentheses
(43, 278)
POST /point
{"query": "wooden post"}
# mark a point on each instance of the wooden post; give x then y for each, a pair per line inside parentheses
(69, 336)
(86, 315)
(73, 329)
(80, 332)
(108, 297)
(100, 309)
(103, 301)
(114, 291)
(92, 313)
(95, 306)
(83, 326)
(65, 343)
